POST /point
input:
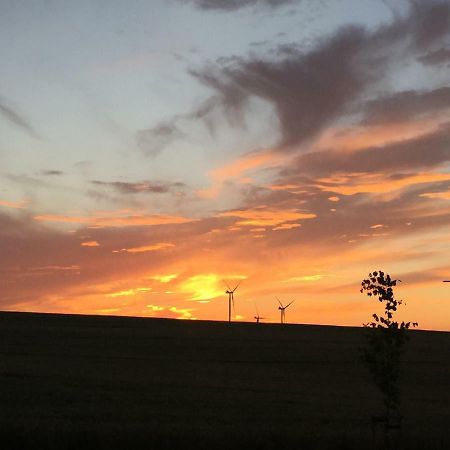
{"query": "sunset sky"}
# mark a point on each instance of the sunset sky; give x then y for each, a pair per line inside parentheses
(150, 150)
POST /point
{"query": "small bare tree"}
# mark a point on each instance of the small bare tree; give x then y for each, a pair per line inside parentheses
(385, 342)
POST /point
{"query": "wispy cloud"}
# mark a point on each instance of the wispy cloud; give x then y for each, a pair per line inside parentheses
(233, 5)
(15, 205)
(154, 140)
(116, 220)
(147, 248)
(436, 57)
(90, 244)
(14, 117)
(143, 187)
(52, 173)
(264, 216)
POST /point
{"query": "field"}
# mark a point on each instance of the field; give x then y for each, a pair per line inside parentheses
(109, 382)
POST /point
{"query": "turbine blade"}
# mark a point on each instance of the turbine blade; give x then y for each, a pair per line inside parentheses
(227, 285)
(237, 285)
(281, 304)
(290, 303)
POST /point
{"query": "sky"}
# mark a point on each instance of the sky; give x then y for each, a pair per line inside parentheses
(152, 151)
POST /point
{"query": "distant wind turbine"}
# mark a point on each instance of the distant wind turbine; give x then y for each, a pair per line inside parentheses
(258, 317)
(283, 308)
(230, 293)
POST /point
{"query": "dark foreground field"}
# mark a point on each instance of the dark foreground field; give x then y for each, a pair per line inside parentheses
(106, 382)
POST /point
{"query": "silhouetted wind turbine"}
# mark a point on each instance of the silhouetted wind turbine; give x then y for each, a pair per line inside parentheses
(230, 293)
(258, 317)
(283, 308)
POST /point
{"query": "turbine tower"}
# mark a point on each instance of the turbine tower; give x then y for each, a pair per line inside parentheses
(230, 293)
(283, 309)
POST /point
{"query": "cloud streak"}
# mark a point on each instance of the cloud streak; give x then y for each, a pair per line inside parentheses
(14, 117)
(143, 187)
(114, 220)
(233, 5)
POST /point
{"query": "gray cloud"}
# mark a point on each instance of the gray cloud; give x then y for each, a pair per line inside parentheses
(405, 105)
(16, 118)
(52, 172)
(147, 187)
(311, 90)
(154, 140)
(307, 91)
(428, 22)
(233, 5)
(427, 151)
(436, 57)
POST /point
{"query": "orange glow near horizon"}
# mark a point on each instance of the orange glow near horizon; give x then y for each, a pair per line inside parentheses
(137, 179)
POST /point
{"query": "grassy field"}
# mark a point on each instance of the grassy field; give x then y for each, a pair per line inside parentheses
(109, 382)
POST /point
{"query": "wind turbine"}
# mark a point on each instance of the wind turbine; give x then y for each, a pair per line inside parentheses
(283, 308)
(230, 293)
(258, 317)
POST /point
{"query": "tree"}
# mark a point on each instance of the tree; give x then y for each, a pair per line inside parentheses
(385, 341)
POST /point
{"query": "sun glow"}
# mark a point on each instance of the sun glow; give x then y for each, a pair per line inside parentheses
(203, 287)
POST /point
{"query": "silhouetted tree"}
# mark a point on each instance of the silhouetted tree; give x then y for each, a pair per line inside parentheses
(385, 341)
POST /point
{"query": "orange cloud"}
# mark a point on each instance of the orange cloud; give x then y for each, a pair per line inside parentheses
(181, 313)
(440, 195)
(375, 183)
(304, 278)
(184, 313)
(164, 278)
(283, 187)
(15, 205)
(357, 138)
(287, 226)
(244, 164)
(90, 244)
(129, 292)
(156, 308)
(266, 217)
(238, 168)
(146, 248)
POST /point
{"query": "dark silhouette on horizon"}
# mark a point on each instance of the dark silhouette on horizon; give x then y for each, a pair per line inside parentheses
(382, 353)
(258, 318)
(282, 309)
(230, 293)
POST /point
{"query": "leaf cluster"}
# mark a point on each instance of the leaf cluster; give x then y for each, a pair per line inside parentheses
(380, 285)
